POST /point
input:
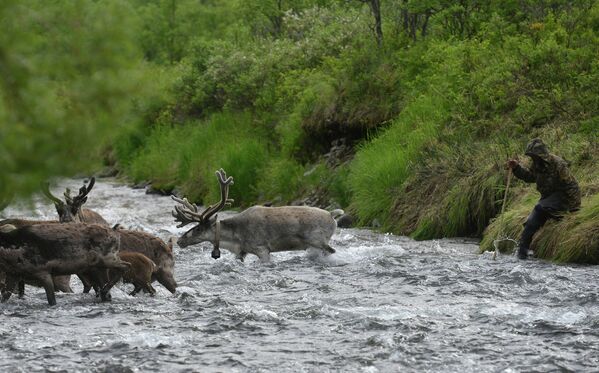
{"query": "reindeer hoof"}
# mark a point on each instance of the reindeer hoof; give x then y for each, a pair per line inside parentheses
(215, 254)
(106, 297)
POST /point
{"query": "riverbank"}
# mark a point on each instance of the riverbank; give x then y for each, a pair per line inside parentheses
(409, 135)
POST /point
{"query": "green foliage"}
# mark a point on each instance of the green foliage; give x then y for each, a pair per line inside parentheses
(382, 165)
(281, 180)
(68, 72)
(187, 156)
(339, 186)
(170, 27)
(233, 75)
(263, 88)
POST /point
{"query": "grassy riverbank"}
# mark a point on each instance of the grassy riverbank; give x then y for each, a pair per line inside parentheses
(428, 116)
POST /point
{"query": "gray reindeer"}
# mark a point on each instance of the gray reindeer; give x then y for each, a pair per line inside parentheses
(258, 230)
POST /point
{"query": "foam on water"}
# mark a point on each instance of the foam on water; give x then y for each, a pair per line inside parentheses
(380, 303)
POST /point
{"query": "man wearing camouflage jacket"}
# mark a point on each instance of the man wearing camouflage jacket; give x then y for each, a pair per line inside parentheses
(558, 187)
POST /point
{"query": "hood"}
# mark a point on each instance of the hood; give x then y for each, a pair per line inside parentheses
(537, 148)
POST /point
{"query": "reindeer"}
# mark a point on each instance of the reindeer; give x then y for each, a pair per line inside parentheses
(139, 273)
(131, 241)
(258, 230)
(70, 210)
(37, 252)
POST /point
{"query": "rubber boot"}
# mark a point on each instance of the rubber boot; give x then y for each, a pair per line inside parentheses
(522, 252)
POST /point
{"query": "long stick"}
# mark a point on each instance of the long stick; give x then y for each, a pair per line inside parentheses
(507, 188)
(501, 222)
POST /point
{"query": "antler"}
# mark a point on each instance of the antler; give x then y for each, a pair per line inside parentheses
(46, 191)
(81, 198)
(224, 182)
(188, 212)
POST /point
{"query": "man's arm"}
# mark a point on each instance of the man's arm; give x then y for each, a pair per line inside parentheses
(521, 172)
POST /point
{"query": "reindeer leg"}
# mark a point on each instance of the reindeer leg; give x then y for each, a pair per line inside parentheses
(5, 295)
(151, 289)
(9, 286)
(94, 278)
(21, 288)
(48, 283)
(241, 255)
(87, 284)
(105, 292)
(328, 250)
(100, 279)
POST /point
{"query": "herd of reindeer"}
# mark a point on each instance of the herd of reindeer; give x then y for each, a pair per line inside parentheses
(46, 253)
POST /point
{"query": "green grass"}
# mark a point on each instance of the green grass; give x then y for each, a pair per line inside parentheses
(573, 239)
(382, 165)
(188, 155)
(281, 180)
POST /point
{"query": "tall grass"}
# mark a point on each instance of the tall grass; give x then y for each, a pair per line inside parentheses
(382, 165)
(574, 238)
(281, 180)
(188, 155)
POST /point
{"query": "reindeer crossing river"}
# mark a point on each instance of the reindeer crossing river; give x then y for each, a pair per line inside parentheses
(71, 214)
(82, 243)
(258, 230)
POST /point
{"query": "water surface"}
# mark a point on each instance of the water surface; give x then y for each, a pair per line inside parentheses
(382, 303)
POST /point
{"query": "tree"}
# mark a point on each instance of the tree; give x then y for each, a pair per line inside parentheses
(375, 9)
(68, 73)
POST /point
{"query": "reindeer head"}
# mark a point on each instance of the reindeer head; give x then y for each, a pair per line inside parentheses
(187, 213)
(70, 209)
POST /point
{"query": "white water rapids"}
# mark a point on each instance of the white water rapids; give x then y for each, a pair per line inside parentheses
(382, 303)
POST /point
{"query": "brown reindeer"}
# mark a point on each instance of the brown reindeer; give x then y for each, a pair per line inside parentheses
(131, 241)
(68, 211)
(37, 252)
(71, 209)
(139, 273)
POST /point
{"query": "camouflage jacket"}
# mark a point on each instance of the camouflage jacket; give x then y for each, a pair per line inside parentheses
(552, 176)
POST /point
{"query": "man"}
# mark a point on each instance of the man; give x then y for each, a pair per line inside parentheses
(558, 187)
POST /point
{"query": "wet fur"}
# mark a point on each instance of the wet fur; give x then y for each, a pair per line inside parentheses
(37, 252)
(139, 273)
(154, 249)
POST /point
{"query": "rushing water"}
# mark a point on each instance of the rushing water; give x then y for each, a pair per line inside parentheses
(381, 303)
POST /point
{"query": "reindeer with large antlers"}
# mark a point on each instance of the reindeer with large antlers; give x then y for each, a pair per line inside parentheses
(258, 230)
(70, 210)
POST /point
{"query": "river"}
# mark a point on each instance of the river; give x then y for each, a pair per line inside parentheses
(382, 303)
